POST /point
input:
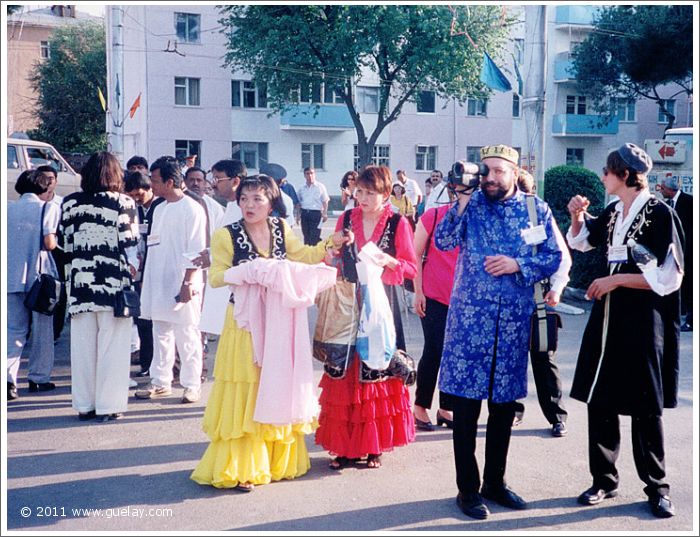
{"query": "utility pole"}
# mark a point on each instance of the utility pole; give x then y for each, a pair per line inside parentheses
(115, 81)
(535, 88)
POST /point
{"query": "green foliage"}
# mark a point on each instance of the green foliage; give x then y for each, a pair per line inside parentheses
(561, 183)
(13, 9)
(292, 49)
(69, 112)
(632, 51)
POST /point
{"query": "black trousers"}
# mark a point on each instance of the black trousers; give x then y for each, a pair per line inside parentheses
(145, 329)
(465, 416)
(309, 226)
(548, 385)
(429, 365)
(647, 449)
(59, 314)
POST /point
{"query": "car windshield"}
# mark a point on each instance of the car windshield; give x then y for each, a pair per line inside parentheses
(42, 156)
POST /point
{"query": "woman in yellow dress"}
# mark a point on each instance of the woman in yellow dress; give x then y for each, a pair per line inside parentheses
(244, 453)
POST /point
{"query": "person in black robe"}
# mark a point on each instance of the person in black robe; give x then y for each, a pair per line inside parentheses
(628, 362)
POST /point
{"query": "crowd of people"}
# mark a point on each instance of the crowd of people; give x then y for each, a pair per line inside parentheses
(219, 256)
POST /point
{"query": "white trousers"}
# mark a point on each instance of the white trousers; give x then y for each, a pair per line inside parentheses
(187, 339)
(41, 356)
(100, 360)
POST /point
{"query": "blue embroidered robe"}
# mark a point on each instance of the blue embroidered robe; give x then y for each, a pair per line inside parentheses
(486, 337)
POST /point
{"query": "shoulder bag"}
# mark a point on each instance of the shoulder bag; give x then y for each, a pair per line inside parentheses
(45, 292)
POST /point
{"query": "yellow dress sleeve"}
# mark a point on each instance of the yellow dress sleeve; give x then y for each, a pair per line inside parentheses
(298, 251)
(221, 256)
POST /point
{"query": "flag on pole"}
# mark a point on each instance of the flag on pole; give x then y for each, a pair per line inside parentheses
(492, 76)
(135, 106)
(102, 99)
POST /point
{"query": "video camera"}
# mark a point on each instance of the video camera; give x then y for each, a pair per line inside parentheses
(467, 174)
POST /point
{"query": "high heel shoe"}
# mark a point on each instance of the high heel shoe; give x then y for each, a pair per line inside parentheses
(423, 425)
(442, 420)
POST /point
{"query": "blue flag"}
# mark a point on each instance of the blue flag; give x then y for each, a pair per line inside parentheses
(492, 76)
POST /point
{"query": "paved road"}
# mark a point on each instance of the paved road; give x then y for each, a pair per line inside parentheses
(136, 470)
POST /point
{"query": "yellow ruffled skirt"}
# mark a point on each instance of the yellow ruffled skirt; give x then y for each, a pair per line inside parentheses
(242, 450)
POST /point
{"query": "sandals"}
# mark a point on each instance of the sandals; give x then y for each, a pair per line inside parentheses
(340, 462)
(374, 460)
(245, 487)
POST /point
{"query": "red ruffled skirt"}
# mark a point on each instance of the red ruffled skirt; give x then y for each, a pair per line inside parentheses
(361, 418)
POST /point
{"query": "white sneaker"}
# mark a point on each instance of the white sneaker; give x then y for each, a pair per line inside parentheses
(153, 392)
(133, 383)
(191, 395)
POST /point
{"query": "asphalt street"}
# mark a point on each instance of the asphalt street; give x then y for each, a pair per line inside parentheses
(133, 474)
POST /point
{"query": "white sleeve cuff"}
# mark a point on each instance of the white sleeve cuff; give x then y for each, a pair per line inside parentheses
(580, 241)
(667, 278)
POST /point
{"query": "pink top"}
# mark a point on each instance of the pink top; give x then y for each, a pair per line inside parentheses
(439, 268)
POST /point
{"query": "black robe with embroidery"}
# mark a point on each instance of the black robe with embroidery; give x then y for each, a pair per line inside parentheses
(638, 371)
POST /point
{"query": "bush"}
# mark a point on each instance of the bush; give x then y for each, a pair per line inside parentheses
(561, 183)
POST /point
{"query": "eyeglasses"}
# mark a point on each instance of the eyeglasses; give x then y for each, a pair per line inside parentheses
(225, 178)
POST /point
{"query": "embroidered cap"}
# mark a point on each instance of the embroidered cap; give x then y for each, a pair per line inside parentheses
(635, 157)
(500, 151)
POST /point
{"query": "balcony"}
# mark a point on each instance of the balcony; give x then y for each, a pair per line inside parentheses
(587, 125)
(564, 68)
(574, 16)
(309, 117)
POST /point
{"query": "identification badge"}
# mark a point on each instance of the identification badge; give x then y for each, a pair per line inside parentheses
(534, 235)
(617, 254)
(143, 229)
(153, 240)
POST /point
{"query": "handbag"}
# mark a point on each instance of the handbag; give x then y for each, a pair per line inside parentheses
(402, 366)
(45, 292)
(127, 303)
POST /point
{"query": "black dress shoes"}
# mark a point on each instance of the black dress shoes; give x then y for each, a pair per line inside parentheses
(41, 386)
(661, 506)
(442, 420)
(104, 418)
(595, 495)
(86, 416)
(503, 496)
(12, 392)
(423, 425)
(472, 505)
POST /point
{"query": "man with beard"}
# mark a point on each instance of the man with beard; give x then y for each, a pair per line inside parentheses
(485, 352)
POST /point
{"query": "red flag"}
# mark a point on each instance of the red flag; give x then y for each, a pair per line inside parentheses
(134, 106)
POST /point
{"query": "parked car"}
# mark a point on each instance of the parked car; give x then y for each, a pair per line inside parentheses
(28, 155)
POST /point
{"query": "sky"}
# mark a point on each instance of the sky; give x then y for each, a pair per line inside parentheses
(91, 8)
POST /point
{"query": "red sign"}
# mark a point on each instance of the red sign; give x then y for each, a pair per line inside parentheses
(667, 151)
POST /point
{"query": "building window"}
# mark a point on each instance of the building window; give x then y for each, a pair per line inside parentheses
(367, 99)
(380, 156)
(247, 94)
(576, 104)
(516, 105)
(426, 102)
(187, 27)
(476, 107)
(574, 156)
(312, 156)
(330, 96)
(670, 105)
(253, 154)
(473, 153)
(45, 50)
(519, 49)
(626, 109)
(185, 148)
(186, 91)
(426, 157)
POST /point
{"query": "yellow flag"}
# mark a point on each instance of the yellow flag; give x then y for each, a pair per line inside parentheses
(102, 99)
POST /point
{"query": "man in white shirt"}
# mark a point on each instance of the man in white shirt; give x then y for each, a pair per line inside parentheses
(439, 194)
(413, 190)
(172, 286)
(314, 199)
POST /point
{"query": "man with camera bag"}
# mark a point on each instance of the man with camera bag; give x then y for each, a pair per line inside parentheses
(485, 353)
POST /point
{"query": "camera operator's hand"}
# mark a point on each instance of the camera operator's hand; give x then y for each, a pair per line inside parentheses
(463, 197)
(500, 265)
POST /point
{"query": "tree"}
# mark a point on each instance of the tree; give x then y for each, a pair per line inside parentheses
(68, 109)
(293, 50)
(13, 9)
(633, 51)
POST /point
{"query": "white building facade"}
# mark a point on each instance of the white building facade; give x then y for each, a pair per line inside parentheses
(192, 104)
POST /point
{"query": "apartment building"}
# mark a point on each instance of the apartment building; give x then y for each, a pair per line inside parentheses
(191, 104)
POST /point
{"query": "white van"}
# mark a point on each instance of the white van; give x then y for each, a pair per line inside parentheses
(28, 155)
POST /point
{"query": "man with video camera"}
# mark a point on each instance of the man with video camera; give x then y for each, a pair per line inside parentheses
(485, 354)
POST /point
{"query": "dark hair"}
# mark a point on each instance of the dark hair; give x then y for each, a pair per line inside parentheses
(429, 181)
(195, 169)
(47, 168)
(437, 171)
(617, 166)
(102, 173)
(137, 161)
(135, 180)
(168, 168)
(378, 178)
(266, 184)
(308, 169)
(29, 182)
(231, 167)
(346, 177)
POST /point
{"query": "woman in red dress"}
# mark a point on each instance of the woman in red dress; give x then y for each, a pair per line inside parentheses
(365, 412)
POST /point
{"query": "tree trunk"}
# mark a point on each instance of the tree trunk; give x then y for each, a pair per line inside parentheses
(364, 151)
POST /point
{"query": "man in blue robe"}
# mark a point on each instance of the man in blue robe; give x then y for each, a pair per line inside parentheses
(486, 339)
